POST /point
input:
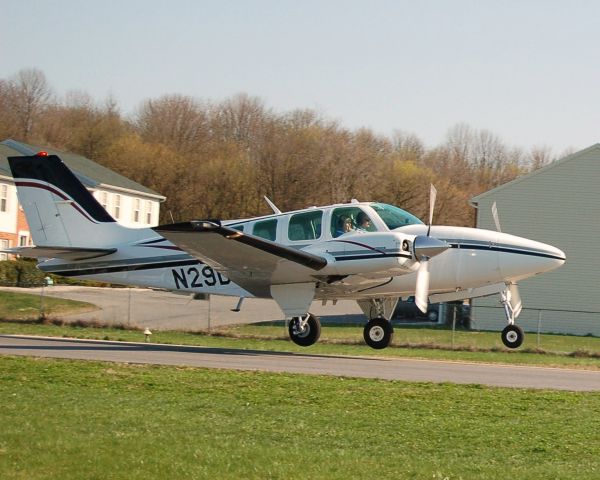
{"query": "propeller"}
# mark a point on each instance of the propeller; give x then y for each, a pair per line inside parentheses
(496, 217)
(424, 248)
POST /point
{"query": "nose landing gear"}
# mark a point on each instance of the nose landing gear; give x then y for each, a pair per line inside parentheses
(512, 335)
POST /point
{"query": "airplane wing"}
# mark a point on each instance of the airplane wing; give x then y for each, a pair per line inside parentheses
(252, 262)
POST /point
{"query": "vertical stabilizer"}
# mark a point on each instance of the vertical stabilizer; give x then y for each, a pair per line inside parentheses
(60, 210)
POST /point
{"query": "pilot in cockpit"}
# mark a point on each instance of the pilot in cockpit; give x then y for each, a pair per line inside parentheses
(363, 222)
(344, 225)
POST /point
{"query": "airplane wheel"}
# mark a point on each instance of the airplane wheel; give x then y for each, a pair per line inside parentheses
(308, 335)
(378, 333)
(512, 336)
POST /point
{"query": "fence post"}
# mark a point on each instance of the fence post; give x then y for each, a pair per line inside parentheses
(539, 328)
(42, 315)
(209, 312)
(129, 308)
(453, 323)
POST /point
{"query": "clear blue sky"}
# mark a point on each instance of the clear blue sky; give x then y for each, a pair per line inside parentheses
(528, 71)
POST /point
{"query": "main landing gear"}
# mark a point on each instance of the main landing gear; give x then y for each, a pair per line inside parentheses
(378, 333)
(305, 330)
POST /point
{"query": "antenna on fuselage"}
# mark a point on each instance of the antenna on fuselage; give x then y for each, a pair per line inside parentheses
(272, 205)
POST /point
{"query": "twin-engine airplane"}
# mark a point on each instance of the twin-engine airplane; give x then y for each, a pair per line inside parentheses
(370, 252)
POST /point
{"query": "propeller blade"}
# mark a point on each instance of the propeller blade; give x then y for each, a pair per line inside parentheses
(495, 216)
(432, 197)
(422, 287)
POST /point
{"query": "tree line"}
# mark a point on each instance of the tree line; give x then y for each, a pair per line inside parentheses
(218, 159)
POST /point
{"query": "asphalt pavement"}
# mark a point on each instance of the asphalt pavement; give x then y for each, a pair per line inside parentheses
(363, 367)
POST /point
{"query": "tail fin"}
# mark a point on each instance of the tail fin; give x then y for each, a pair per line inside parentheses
(60, 211)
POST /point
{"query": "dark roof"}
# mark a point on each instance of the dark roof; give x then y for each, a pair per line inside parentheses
(89, 173)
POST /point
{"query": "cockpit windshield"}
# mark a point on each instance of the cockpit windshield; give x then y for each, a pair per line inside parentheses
(394, 217)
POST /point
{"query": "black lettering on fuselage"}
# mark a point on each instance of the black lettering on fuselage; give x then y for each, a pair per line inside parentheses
(179, 277)
(194, 277)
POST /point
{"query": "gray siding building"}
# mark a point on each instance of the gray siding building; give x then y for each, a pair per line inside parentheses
(560, 205)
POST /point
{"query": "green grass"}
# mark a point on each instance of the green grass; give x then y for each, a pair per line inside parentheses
(519, 357)
(72, 420)
(440, 337)
(23, 306)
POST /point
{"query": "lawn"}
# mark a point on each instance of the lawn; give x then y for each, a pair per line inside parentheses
(23, 306)
(72, 420)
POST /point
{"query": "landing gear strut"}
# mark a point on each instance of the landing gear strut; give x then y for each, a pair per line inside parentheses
(512, 335)
(378, 333)
(304, 331)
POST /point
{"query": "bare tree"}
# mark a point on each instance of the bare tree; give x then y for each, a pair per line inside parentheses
(177, 121)
(28, 95)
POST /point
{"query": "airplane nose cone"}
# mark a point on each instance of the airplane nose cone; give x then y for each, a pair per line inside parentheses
(530, 258)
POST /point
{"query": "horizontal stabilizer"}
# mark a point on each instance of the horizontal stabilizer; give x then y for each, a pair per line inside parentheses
(65, 253)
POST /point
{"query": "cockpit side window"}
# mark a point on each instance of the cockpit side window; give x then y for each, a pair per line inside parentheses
(305, 226)
(350, 219)
(266, 229)
(394, 217)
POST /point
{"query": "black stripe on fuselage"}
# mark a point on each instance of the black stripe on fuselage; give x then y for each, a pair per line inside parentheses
(121, 268)
(369, 256)
(494, 248)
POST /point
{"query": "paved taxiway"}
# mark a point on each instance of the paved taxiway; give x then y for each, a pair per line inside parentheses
(365, 367)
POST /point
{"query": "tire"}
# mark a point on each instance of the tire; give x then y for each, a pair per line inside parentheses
(432, 316)
(512, 336)
(308, 336)
(378, 333)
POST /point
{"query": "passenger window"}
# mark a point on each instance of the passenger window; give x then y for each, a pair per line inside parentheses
(266, 229)
(305, 226)
(239, 227)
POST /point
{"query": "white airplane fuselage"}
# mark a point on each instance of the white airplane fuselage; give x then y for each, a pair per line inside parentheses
(477, 258)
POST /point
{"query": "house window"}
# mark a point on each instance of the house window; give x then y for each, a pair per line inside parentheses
(22, 240)
(117, 205)
(3, 197)
(148, 212)
(104, 200)
(4, 244)
(136, 210)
